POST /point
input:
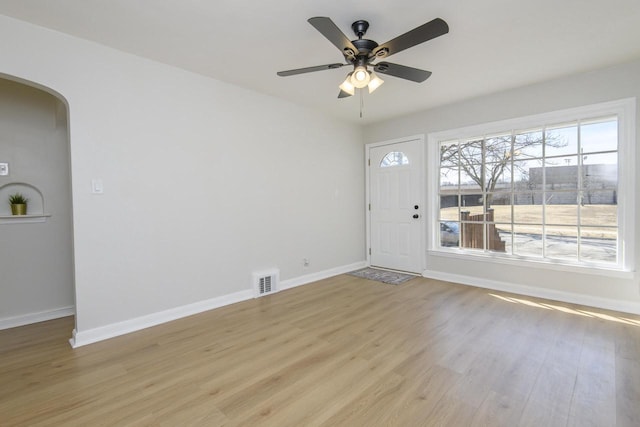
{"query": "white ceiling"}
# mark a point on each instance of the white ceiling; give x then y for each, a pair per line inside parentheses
(492, 44)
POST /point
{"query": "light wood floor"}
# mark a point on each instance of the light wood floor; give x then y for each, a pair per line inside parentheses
(340, 352)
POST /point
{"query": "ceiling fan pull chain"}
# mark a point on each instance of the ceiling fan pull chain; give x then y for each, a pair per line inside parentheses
(361, 102)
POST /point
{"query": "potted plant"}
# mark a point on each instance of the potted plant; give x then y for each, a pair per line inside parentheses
(18, 204)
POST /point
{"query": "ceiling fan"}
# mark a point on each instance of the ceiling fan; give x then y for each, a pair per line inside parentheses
(361, 54)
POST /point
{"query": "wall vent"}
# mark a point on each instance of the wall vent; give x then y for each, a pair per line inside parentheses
(266, 282)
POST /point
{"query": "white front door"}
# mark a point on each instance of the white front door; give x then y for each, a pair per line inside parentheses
(395, 212)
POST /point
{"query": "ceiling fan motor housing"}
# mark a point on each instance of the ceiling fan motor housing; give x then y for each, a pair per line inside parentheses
(364, 46)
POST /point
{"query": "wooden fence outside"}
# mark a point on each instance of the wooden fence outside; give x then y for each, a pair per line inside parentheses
(471, 233)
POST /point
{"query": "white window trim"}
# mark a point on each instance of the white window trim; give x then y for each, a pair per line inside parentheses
(625, 109)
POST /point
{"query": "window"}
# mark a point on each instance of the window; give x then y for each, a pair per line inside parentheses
(395, 158)
(548, 188)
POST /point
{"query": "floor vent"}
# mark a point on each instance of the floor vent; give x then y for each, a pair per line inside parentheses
(265, 283)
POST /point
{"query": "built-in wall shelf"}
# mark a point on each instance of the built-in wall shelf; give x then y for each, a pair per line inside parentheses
(23, 219)
(35, 206)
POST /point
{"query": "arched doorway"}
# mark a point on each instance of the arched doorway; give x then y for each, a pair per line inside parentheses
(36, 255)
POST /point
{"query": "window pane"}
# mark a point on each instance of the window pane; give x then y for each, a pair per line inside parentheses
(561, 140)
(500, 207)
(529, 213)
(598, 244)
(561, 242)
(561, 173)
(494, 240)
(471, 232)
(599, 208)
(504, 231)
(469, 179)
(527, 175)
(562, 214)
(497, 148)
(499, 201)
(449, 154)
(599, 135)
(449, 179)
(471, 152)
(498, 176)
(449, 233)
(600, 171)
(527, 240)
(449, 208)
(528, 145)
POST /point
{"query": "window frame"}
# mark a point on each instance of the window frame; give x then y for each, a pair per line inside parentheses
(624, 109)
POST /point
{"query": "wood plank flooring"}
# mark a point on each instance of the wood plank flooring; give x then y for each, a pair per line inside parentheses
(340, 352)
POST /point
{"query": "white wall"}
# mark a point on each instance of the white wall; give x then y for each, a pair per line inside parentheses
(36, 267)
(622, 81)
(204, 182)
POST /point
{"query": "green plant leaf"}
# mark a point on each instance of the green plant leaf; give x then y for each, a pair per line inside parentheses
(17, 199)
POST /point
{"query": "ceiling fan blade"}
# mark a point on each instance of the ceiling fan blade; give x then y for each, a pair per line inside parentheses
(309, 69)
(402, 71)
(343, 94)
(331, 31)
(421, 34)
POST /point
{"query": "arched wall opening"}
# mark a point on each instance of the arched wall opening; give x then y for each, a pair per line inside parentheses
(36, 255)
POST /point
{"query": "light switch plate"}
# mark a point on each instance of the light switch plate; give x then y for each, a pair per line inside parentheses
(96, 186)
(4, 169)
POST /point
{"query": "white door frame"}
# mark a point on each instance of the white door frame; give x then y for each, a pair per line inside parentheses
(421, 192)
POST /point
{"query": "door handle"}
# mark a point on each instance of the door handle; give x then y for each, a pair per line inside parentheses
(416, 216)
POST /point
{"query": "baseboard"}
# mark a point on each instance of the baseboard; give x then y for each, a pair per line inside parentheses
(27, 319)
(569, 297)
(91, 336)
(320, 275)
(80, 338)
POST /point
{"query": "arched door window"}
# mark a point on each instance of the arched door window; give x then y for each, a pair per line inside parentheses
(394, 158)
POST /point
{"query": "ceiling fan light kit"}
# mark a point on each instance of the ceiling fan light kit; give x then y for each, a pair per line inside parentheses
(347, 86)
(375, 82)
(360, 77)
(361, 54)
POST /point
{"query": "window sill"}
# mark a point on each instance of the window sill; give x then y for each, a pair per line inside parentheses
(529, 263)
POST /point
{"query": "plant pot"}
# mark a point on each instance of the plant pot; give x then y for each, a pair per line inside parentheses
(19, 209)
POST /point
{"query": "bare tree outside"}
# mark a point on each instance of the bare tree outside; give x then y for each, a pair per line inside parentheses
(485, 161)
